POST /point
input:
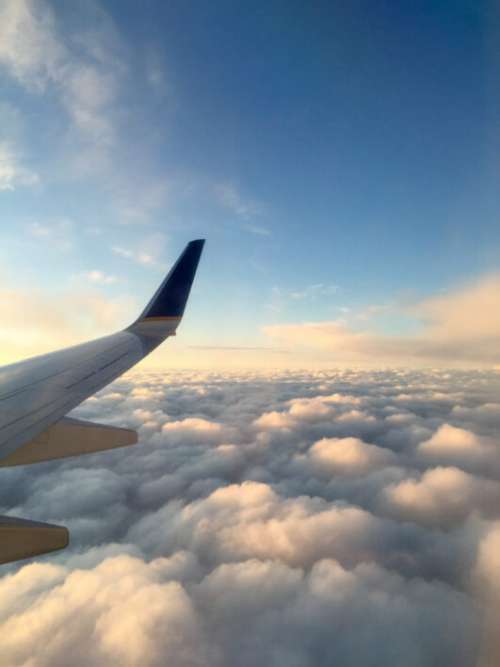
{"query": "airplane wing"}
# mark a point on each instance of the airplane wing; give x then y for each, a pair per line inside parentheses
(36, 394)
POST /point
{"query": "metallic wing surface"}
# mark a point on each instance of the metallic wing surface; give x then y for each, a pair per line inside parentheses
(36, 395)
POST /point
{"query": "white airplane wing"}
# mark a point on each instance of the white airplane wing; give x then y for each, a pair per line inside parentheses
(36, 394)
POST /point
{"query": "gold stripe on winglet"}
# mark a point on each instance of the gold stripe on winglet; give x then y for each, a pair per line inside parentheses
(169, 318)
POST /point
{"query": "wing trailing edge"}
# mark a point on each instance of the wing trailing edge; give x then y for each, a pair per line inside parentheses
(20, 538)
(70, 437)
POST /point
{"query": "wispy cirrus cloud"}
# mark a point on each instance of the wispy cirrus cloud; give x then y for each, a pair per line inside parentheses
(147, 199)
(149, 251)
(256, 229)
(97, 277)
(58, 234)
(13, 173)
(282, 298)
(316, 291)
(246, 209)
(230, 198)
(85, 74)
(38, 56)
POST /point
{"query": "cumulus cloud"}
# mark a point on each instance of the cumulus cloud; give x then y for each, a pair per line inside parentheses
(266, 518)
(347, 456)
(126, 604)
(473, 449)
(250, 520)
(313, 409)
(485, 580)
(192, 427)
(452, 442)
(443, 496)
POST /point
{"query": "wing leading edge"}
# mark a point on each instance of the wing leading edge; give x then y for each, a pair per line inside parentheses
(36, 394)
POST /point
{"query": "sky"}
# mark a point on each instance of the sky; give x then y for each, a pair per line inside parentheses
(317, 478)
(341, 159)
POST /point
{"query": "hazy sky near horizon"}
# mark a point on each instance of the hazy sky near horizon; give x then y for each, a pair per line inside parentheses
(340, 158)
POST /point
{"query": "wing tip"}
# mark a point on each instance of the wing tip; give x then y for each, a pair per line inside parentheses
(170, 299)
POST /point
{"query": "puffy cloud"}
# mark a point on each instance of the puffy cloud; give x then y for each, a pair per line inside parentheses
(484, 418)
(342, 399)
(347, 456)
(475, 452)
(129, 612)
(266, 518)
(313, 409)
(274, 419)
(485, 579)
(443, 496)
(356, 415)
(251, 521)
(309, 408)
(450, 442)
(192, 428)
(129, 609)
(320, 606)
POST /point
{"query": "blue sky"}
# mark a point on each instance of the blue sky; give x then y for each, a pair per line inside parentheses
(340, 158)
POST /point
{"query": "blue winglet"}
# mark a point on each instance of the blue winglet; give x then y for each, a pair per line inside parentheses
(170, 299)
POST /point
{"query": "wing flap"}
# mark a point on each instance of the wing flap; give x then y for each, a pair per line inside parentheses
(70, 437)
(20, 538)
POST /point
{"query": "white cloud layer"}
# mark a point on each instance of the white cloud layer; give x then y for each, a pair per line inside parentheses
(285, 519)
